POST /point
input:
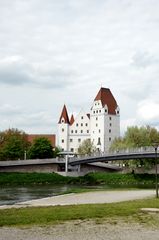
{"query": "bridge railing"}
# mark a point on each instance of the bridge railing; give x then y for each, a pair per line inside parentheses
(141, 150)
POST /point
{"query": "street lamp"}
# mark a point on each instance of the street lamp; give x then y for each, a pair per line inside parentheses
(156, 171)
(155, 145)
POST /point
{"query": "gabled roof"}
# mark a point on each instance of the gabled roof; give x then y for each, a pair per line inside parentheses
(64, 115)
(108, 99)
(72, 119)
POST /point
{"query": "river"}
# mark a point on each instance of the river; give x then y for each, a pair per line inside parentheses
(12, 195)
(15, 194)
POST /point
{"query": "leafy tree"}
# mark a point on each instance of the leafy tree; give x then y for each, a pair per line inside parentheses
(86, 147)
(56, 150)
(41, 148)
(13, 144)
(136, 137)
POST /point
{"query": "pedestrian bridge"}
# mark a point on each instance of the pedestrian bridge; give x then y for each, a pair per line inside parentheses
(128, 154)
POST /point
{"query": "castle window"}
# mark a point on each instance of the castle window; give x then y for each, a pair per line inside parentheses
(81, 124)
(110, 124)
(81, 131)
(100, 111)
(99, 130)
(110, 118)
(71, 140)
(105, 110)
(110, 139)
(62, 129)
(87, 131)
(96, 118)
(79, 140)
(96, 124)
(72, 149)
(82, 117)
(62, 141)
(75, 131)
(97, 111)
(76, 124)
(71, 131)
(117, 112)
(62, 121)
(94, 112)
(86, 124)
(109, 130)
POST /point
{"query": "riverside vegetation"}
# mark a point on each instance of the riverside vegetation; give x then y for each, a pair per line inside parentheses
(113, 179)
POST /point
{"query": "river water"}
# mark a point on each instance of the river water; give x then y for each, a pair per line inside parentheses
(12, 195)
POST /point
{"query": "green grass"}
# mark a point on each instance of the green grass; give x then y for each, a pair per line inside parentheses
(20, 179)
(124, 211)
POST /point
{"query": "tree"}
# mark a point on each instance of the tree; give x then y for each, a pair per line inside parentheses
(41, 148)
(56, 150)
(86, 147)
(13, 144)
(136, 137)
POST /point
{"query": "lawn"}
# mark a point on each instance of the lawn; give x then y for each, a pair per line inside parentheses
(129, 211)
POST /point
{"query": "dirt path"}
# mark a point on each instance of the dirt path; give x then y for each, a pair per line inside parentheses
(82, 230)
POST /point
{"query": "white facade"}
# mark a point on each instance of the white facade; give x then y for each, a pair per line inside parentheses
(101, 126)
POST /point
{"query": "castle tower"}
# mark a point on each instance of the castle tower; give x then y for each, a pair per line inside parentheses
(101, 126)
(104, 120)
(63, 129)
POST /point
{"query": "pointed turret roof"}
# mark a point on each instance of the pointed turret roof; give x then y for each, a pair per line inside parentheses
(64, 115)
(108, 99)
(72, 119)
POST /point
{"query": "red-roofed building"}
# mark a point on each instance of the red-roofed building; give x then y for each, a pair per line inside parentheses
(101, 125)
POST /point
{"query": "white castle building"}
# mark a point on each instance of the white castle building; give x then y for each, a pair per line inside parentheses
(101, 125)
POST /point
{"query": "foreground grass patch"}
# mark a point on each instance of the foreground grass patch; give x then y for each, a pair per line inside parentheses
(51, 215)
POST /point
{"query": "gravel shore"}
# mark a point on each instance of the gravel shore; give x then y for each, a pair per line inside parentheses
(82, 230)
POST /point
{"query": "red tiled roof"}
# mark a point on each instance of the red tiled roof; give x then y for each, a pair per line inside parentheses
(72, 120)
(108, 99)
(50, 137)
(64, 115)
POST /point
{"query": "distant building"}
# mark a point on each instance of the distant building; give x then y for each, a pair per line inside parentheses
(101, 125)
(50, 137)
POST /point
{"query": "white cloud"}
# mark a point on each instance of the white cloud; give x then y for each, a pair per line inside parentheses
(148, 111)
(57, 52)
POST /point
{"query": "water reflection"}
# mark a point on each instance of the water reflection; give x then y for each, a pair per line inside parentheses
(11, 195)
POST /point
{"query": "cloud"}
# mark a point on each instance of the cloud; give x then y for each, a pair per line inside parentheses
(57, 52)
(15, 117)
(15, 71)
(143, 59)
(148, 111)
(9, 110)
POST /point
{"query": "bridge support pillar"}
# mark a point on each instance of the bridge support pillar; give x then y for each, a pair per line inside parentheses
(79, 168)
(66, 164)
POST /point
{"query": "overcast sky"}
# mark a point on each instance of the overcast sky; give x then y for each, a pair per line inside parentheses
(56, 51)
